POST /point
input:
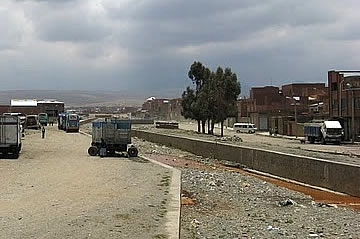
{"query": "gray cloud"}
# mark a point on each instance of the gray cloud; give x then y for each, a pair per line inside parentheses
(129, 44)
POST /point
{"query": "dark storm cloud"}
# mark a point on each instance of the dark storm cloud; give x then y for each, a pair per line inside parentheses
(151, 43)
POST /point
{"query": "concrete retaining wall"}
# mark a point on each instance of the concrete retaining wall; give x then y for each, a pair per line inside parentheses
(339, 177)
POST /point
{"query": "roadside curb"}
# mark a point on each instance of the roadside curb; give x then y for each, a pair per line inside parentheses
(174, 208)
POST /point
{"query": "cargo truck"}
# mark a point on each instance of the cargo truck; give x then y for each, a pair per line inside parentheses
(324, 132)
(116, 134)
(32, 122)
(10, 135)
(72, 122)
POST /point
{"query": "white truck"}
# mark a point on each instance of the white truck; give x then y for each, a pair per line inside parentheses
(327, 131)
(10, 135)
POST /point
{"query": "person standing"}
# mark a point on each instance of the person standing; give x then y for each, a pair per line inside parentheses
(43, 132)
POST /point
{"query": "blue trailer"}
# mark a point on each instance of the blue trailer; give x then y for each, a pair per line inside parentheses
(72, 122)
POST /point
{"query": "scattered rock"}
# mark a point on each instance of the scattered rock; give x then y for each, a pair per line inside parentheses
(287, 202)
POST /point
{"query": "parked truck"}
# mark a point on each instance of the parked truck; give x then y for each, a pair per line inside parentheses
(32, 122)
(10, 135)
(116, 134)
(324, 132)
(72, 122)
(61, 121)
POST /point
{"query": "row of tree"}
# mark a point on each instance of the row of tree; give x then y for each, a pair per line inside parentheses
(214, 97)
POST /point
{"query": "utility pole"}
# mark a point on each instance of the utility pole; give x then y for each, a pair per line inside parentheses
(295, 111)
(352, 116)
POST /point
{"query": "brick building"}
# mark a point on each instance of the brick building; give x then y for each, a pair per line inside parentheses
(272, 107)
(344, 100)
(163, 109)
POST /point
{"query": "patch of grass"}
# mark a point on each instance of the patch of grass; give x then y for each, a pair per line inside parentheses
(122, 216)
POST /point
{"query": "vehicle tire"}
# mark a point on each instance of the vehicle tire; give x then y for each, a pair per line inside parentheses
(238, 131)
(132, 152)
(311, 140)
(93, 151)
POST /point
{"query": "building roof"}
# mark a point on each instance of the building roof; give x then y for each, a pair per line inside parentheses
(26, 102)
(50, 102)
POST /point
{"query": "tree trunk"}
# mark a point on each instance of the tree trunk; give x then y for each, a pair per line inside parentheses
(209, 130)
(199, 126)
(222, 128)
(203, 124)
(212, 127)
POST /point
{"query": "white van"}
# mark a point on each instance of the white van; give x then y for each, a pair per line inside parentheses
(244, 128)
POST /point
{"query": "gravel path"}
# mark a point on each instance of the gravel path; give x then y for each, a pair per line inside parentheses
(218, 203)
(55, 190)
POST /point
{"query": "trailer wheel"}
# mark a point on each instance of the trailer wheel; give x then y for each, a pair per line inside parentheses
(93, 151)
(132, 152)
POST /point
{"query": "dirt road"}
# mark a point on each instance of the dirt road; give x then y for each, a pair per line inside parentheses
(55, 190)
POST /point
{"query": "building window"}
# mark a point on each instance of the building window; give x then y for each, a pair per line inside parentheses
(343, 103)
(357, 103)
(334, 86)
(334, 104)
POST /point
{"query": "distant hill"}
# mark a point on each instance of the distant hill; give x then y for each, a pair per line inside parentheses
(83, 98)
(74, 98)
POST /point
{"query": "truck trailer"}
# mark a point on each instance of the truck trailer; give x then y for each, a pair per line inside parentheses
(324, 132)
(116, 135)
(10, 135)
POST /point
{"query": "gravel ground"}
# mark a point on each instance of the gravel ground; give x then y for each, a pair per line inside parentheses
(55, 190)
(218, 203)
(346, 154)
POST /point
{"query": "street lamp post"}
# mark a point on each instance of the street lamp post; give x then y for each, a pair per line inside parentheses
(349, 86)
(352, 116)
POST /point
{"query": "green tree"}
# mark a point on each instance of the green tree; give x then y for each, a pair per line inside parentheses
(188, 98)
(214, 98)
(227, 92)
(199, 74)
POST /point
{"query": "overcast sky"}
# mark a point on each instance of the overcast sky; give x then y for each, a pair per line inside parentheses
(150, 44)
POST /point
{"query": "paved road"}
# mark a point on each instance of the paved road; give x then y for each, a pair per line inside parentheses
(55, 190)
(338, 153)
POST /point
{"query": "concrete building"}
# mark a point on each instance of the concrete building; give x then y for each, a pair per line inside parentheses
(344, 100)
